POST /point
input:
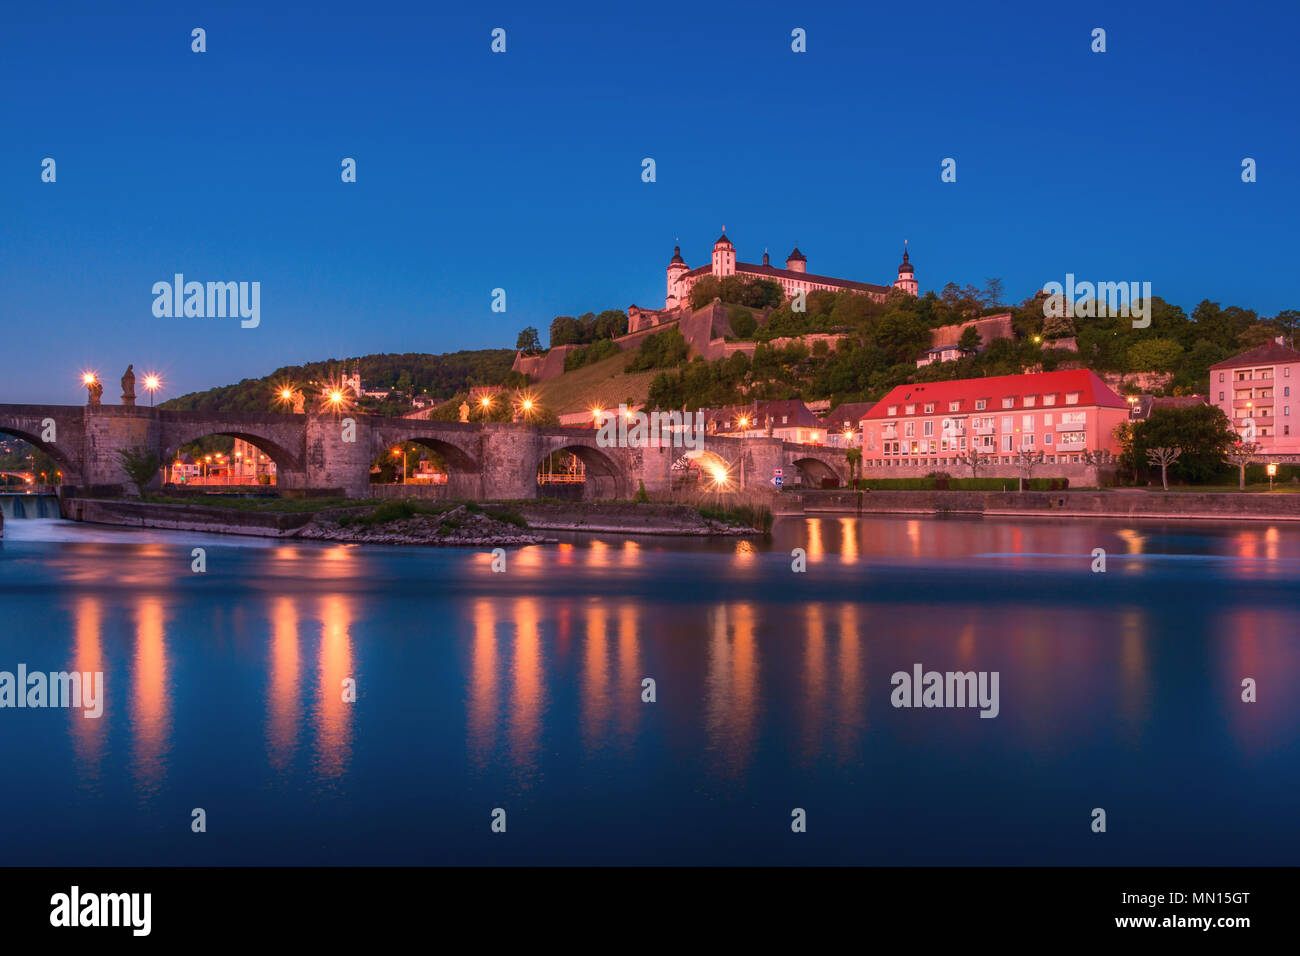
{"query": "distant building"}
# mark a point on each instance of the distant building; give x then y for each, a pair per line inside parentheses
(1254, 390)
(790, 420)
(844, 424)
(1061, 414)
(794, 278)
(944, 340)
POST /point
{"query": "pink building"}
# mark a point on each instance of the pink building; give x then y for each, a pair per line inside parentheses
(794, 278)
(1254, 390)
(1062, 414)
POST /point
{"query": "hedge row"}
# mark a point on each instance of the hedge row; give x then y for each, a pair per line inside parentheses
(962, 484)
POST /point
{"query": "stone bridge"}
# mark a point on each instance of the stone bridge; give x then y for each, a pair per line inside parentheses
(321, 451)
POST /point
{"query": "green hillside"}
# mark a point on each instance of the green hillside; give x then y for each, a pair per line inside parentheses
(438, 376)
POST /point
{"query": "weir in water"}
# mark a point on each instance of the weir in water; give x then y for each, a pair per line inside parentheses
(19, 506)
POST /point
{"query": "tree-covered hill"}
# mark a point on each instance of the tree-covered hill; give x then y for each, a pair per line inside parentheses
(438, 376)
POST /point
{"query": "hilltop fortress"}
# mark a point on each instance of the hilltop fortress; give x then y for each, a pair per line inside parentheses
(705, 329)
(794, 278)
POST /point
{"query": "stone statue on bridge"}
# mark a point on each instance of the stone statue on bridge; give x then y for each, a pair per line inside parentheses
(464, 411)
(95, 390)
(128, 386)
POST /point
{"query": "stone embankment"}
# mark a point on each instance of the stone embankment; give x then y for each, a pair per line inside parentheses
(1065, 504)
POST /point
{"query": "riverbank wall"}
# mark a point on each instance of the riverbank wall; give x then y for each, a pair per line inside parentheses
(141, 514)
(1061, 504)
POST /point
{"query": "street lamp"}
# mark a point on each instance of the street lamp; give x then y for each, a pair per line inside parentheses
(1271, 468)
(152, 383)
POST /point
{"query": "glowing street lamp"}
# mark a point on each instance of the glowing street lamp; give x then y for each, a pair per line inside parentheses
(152, 383)
(1271, 468)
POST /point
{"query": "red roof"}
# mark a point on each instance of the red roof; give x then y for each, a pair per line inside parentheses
(1270, 353)
(772, 272)
(1092, 391)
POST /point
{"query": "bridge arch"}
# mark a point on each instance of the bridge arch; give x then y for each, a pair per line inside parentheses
(464, 477)
(816, 472)
(703, 468)
(288, 466)
(601, 475)
(68, 462)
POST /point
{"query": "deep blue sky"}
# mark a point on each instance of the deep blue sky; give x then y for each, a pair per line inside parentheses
(522, 170)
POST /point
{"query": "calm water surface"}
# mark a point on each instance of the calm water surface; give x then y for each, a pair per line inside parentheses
(522, 691)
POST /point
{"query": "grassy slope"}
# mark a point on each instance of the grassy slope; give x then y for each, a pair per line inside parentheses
(602, 385)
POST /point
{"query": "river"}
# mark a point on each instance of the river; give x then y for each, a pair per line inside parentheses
(522, 691)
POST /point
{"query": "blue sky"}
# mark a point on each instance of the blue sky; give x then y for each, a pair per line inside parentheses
(522, 170)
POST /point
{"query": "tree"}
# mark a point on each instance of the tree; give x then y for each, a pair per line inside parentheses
(528, 342)
(1164, 457)
(742, 321)
(970, 339)
(565, 330)
(1201, 431)
(1155, 355)
(975, 459)
(1028, 461)
(140, 464)
(854, 457)
(1241, 455)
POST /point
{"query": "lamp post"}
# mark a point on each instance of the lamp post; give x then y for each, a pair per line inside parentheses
(1271, 468)
(152, 383)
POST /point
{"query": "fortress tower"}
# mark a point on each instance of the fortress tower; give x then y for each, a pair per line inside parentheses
(906, 277)
(676, 269)
(724, 256)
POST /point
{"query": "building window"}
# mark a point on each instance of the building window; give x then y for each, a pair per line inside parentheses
(1008, 423)
(954, 406)
(929, 408)
(1008, 403)
(1286, 410)
(1072, 398)
(909, 429)
(1047, 420)
(1220, 376)
(893, 410)
(1220, 396)
(1030, 400)
(1006, 442)
(981, 404)
(1049, 399)
(1028, 442)
(927, 429)
(1027, 422)
(1286, 391)
(1047, 438)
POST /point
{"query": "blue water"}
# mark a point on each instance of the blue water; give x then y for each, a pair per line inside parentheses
(522, 690)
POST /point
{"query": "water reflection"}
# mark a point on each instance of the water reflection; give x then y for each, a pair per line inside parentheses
(285, 701)
(151, 696)
(334, 714)
(88, 736)
(532, 680)
(732, 704)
